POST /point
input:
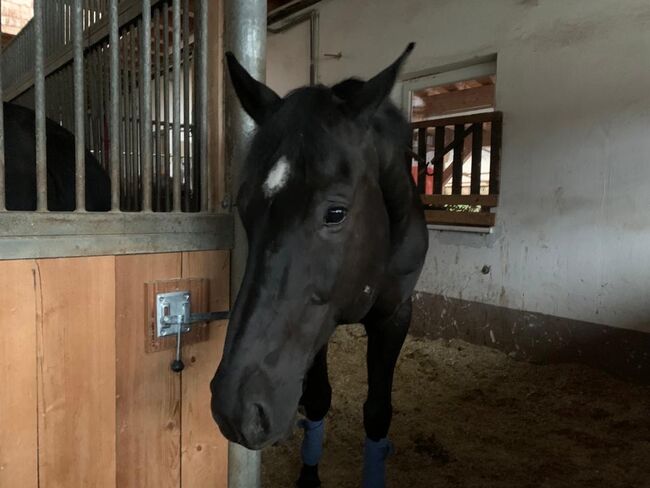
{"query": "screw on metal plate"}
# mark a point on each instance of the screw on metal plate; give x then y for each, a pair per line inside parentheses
(174, 317)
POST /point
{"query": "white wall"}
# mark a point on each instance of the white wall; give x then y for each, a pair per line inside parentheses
(573, 80)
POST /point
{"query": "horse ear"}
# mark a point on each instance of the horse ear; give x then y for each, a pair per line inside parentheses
(374, 91)
(257, 99)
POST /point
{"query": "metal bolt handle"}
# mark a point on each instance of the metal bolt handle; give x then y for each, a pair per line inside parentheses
(177, 363)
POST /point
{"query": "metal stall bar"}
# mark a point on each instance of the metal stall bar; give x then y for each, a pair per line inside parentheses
(201, 84)
(2, 130)
(114, 100)
(187, 166)
(145, 113)
(166, 160)
(176, 6)
(39, 104)
(158, 169)
(245, 36)
(80, 139)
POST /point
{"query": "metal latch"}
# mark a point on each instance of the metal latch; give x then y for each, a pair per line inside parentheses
(174, 317)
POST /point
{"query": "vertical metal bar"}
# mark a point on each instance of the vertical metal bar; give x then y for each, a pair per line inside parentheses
(133, 99)
(245, 36)
(114, 134)
(186, 104)
(2, 128)
(176, 7)
(124, 121)
(457, 163)
(145, 115)
(39, 105)
(157, 171)
(201, 68)
(166, 128)
(79, 112)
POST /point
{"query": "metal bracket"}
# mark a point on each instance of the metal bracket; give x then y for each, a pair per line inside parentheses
(174, 312)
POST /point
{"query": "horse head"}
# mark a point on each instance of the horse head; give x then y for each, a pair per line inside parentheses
(319, 202)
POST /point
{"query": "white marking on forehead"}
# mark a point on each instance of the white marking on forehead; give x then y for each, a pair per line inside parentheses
(277, 178)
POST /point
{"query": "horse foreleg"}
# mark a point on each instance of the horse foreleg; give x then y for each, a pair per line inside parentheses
(316, 400)
(385, 339)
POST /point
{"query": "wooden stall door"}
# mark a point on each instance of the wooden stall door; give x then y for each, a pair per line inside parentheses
(82, 404)
(166, 436)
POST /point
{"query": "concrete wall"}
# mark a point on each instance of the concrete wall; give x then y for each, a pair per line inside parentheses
(573, 227)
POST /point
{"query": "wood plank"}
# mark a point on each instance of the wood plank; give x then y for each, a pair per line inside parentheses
(457, 163)
(204, 449)
(445, 217)
(438, 160)
(477, 156)
(422, 159)
(76, 355)
(461, 119)
(482, 200)
(495, 157)
(18, 415)
(481, 97)
(148, 392)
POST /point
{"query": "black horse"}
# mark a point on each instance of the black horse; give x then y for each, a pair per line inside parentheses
(336, 235)
(20, 166)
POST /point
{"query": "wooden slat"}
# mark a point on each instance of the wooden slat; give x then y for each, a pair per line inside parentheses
(204, 449)
(76, 354)
(461, 119)
(148, 392)
(477, 155)
(18, 402)
(479, 219)
(438, 161)
(422, 157)
(495, 157)
(457, 163)
(482, 200)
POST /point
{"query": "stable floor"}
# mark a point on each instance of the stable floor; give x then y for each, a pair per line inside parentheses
(470, 416)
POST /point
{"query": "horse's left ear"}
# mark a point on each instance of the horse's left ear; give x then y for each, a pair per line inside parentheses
(257, 99)
(377, 89)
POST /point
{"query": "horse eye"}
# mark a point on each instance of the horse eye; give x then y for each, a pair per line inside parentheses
(335, 215)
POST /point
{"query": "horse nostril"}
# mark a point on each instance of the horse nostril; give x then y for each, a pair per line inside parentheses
(263, 418)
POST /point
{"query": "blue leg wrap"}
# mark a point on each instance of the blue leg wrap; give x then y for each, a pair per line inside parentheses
(312, 442)
(374, 462)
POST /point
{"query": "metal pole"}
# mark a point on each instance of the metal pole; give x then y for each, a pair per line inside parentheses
(176, 96)
(2, 130)
(187, 173)
(145, 114)
(245, 36)
(201, 68)
(114, 150)
(39, 104)
(79, 112)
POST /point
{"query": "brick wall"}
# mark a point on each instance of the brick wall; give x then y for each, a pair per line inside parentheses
(15, 14)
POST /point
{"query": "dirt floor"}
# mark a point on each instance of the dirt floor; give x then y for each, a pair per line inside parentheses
(469, 416)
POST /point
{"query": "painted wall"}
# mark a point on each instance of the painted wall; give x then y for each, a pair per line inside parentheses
(573, 228)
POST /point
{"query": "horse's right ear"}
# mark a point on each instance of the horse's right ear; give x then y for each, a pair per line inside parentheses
(257, 99)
